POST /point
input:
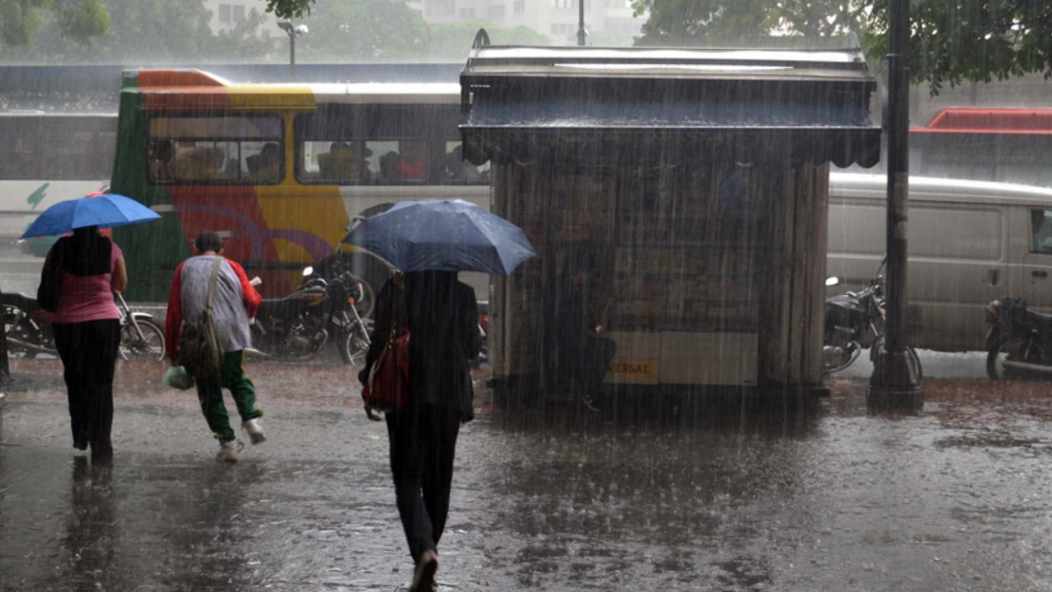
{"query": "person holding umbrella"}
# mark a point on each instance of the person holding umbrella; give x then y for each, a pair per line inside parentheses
(80, 275)
(430, 241)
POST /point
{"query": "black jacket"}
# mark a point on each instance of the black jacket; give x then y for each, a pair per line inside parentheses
(444, 337)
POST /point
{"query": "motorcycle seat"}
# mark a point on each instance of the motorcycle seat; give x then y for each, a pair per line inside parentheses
(18, 299)
(1044, 320)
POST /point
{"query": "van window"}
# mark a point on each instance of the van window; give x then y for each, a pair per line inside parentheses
(215, 149)
(1041, 231)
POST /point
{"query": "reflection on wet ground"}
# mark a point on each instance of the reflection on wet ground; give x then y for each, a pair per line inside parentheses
(954, 499)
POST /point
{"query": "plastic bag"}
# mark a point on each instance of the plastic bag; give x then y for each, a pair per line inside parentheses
(178, 378)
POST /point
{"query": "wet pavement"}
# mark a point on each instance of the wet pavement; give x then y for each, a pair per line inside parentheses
(957, 498)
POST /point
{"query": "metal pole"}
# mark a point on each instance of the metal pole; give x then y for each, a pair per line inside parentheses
(895, 379)
(292, 52)
(582, 36)
(5, 369)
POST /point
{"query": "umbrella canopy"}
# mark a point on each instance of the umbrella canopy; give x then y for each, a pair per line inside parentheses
(443, 235)
(103, 209)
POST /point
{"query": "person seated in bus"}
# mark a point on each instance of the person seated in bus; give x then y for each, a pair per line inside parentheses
(342, 164)
(265, 167)
(159, 156)
(456, 170)
(389, 168)
(412, 164)
(198, 163)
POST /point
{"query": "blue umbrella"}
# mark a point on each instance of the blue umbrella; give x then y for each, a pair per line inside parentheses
(101, 209)
(443, 235)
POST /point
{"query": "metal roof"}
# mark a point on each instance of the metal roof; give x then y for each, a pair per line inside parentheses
(817, 100)
(634, 62)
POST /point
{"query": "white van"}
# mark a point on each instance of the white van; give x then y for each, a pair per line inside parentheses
(969, 242)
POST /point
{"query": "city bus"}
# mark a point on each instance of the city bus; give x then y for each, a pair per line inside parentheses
(45, 157)
(280, 170)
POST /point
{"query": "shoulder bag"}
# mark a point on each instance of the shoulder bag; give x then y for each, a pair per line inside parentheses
(199, 350)
(388, 386)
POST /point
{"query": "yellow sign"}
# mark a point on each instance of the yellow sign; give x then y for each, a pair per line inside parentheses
(635, 371)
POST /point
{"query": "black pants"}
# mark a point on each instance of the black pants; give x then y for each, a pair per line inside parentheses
(423, 442)
(89, 357)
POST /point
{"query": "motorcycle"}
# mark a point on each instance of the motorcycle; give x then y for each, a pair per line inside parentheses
(141, 336)
(29, 329)
(483, 329)
(299, 326)
(1018, 340)
(855, 321)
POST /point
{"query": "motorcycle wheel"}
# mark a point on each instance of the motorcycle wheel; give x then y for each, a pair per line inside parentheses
(150, 346)
(281, 350)
(354, 347)
(831, 367)
(995, 358)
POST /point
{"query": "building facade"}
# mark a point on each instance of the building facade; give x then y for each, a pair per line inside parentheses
(608, 22)
(228, 14)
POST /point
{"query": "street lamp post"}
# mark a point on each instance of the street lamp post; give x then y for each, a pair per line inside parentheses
(895, 383)
(292, 31)
(582, 35)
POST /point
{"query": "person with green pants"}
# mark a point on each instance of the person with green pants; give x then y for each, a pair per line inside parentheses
(234, 300)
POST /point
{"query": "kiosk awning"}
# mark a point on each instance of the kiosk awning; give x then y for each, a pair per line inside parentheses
(522, 100)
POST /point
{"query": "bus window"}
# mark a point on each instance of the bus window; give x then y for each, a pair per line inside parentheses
(457, 171)
(215, 149)
(337, 162)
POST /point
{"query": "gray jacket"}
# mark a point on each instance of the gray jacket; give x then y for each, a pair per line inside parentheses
(228, 308)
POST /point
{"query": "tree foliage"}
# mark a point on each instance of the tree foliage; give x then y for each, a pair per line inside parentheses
(951, 40)
(143, 32)
(290, 9)
(390, 30)
(79, 19)
(363, 29)
(453, 41)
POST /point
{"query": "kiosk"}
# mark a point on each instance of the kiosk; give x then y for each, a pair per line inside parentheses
(678, 197)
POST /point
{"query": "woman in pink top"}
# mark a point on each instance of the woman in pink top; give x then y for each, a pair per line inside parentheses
(86, 324)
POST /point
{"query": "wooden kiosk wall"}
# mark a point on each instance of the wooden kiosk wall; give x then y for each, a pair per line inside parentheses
(708, 237)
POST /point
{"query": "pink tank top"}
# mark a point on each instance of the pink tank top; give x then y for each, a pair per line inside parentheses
(88, 297)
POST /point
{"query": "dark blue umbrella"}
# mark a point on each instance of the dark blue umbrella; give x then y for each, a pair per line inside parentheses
(443, 235)
(98, 209)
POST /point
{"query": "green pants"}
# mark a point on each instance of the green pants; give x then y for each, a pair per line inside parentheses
(210, 394)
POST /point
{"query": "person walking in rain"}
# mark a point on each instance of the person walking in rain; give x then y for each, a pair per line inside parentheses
(443, 322)
(576, 350)
(235, 302)
(84, 270)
